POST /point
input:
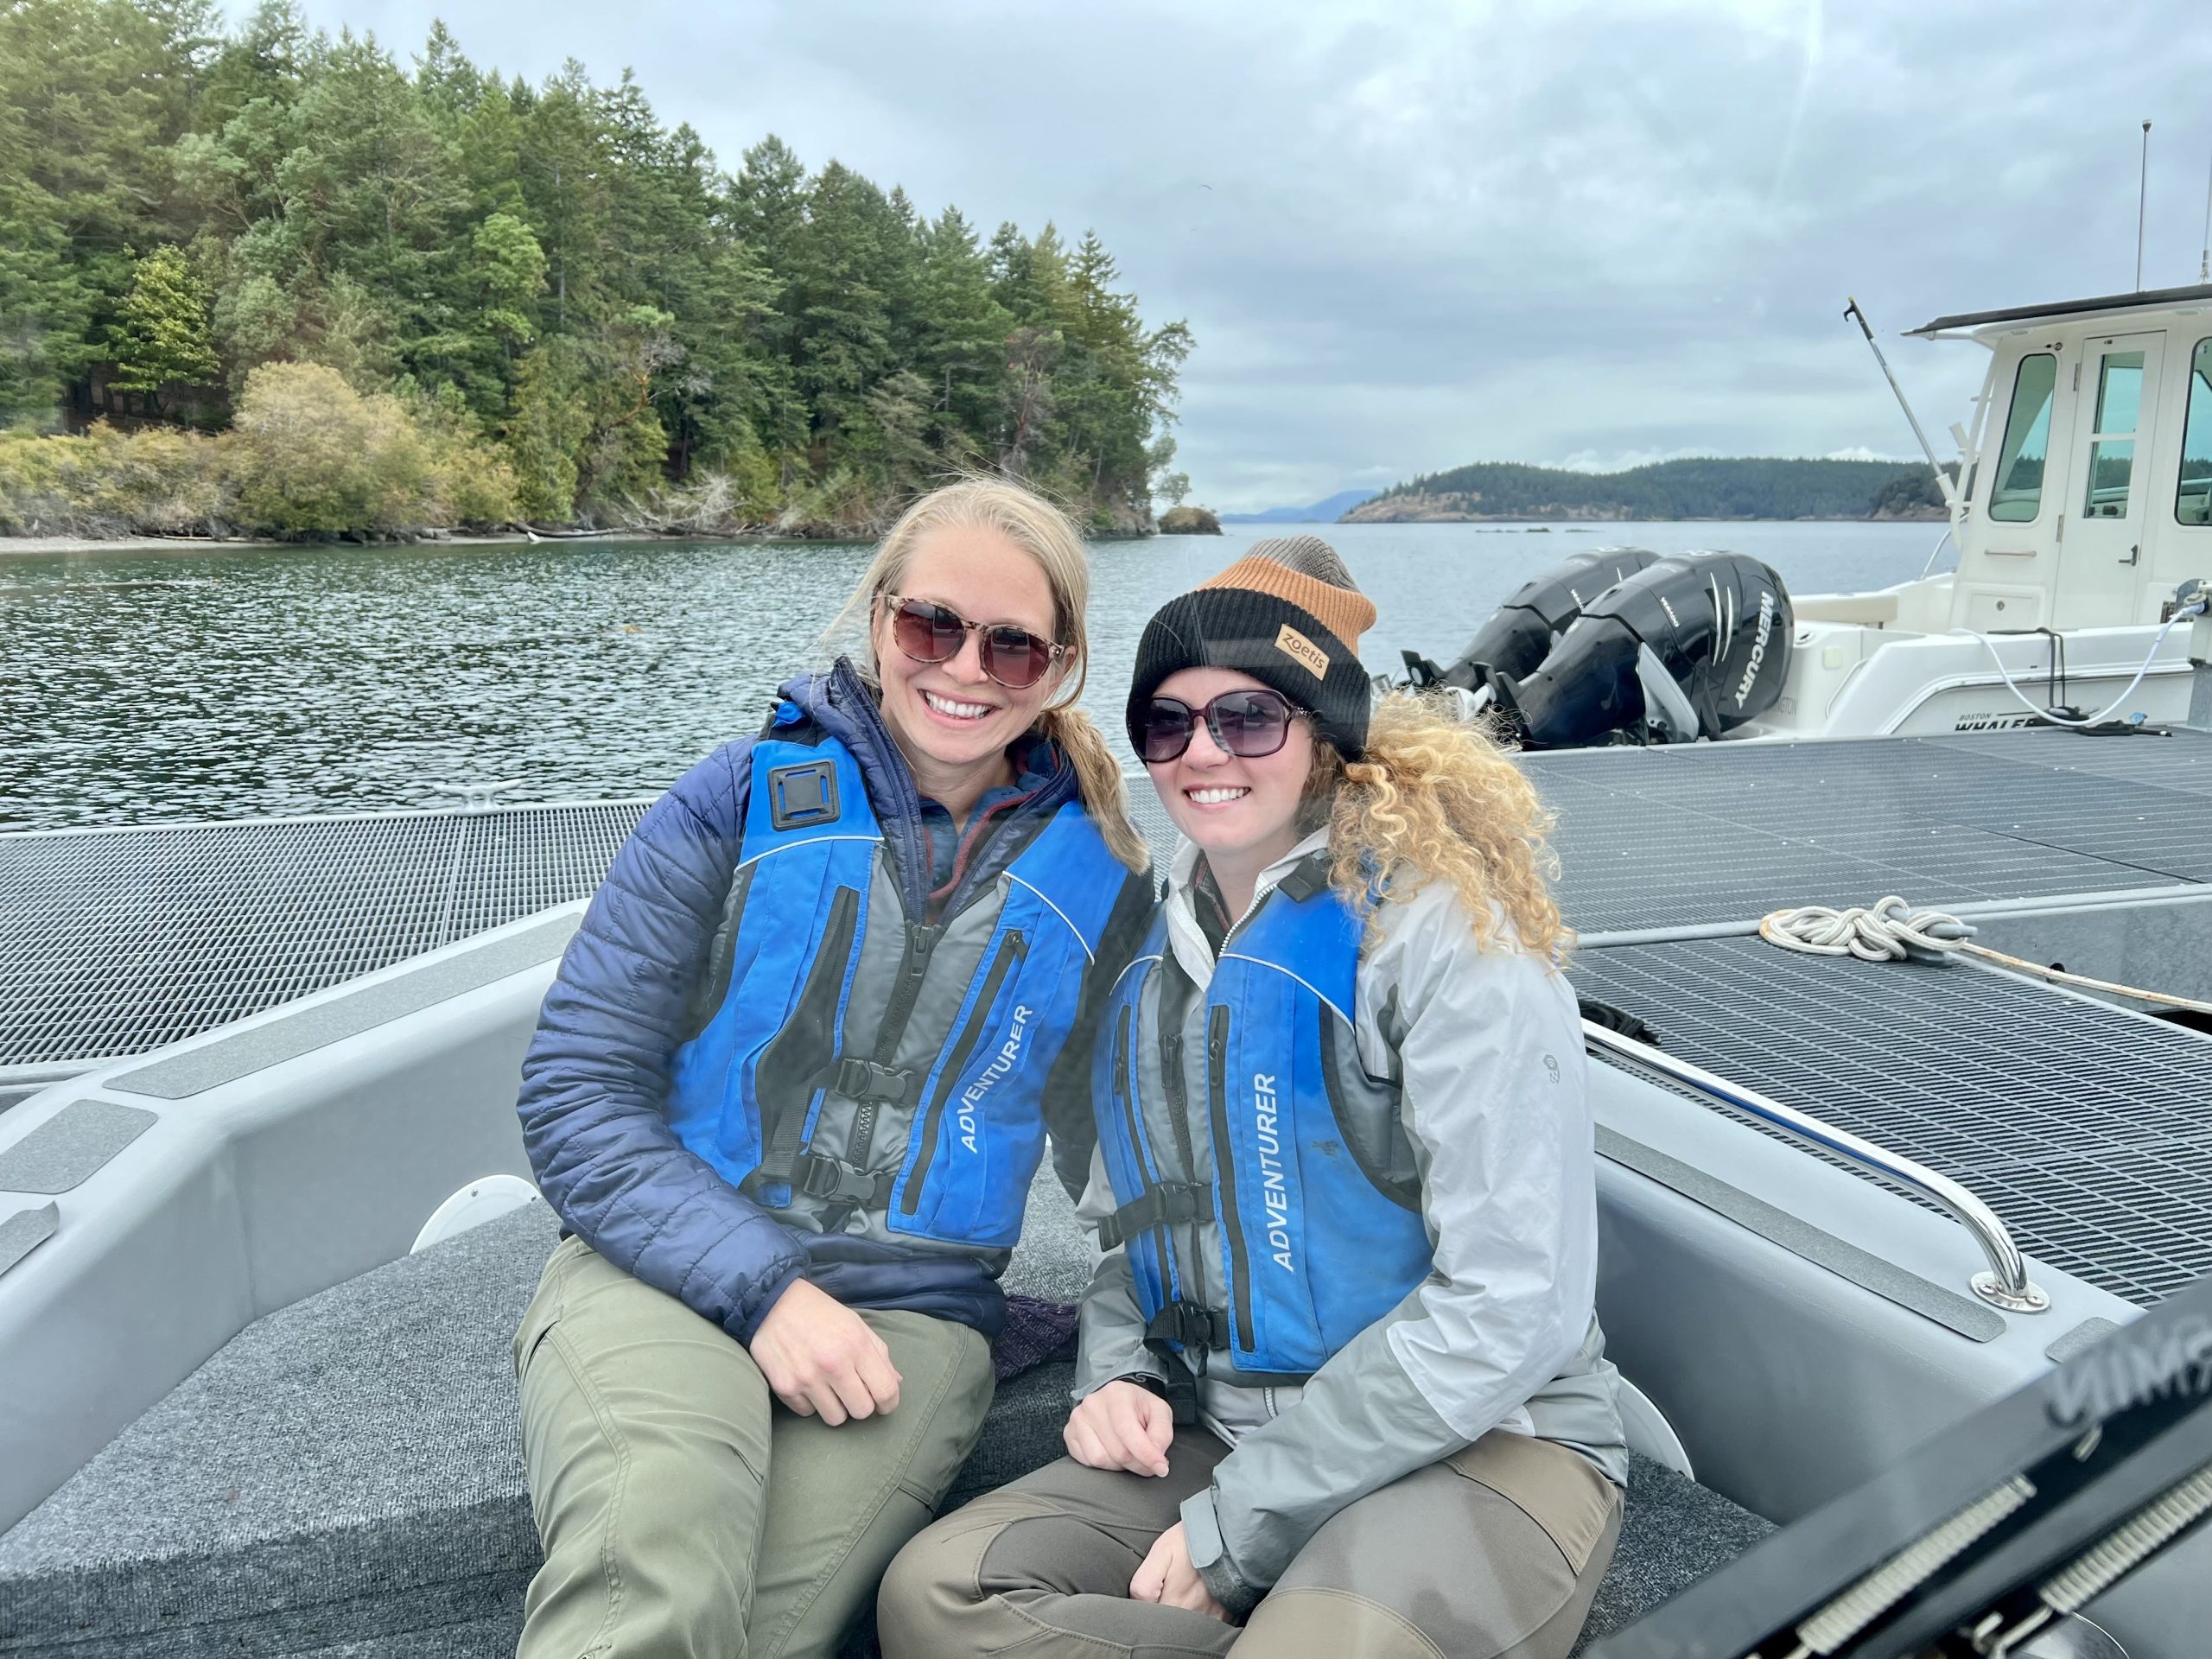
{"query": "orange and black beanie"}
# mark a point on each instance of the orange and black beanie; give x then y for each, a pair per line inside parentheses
(1288, 614)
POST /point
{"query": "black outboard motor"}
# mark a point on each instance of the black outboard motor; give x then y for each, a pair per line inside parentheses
(1522, 631)
(1690, 646)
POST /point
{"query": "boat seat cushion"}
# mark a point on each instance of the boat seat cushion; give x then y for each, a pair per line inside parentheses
(345, 1478)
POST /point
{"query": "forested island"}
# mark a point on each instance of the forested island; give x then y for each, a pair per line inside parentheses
(263, 280)
(1753, 487)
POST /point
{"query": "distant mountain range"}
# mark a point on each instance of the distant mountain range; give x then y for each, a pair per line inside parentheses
(1321, 512)
(1751, 487)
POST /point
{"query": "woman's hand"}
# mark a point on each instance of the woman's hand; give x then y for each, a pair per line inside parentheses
(1121, 1426)
(1168, 1577)
(819, 1357)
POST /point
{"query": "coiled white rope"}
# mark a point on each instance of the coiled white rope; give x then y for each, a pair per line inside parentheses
(1890, 929)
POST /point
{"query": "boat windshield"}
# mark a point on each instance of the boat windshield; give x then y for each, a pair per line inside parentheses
(2193, 495)
(2016, 497)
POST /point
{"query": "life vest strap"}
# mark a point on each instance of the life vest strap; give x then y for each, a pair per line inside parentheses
(1308, 876)
(1198, 1328)
(822, 1177)
(1169, 1203)
(859, 1079)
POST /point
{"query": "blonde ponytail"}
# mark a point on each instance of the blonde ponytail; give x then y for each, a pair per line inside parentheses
(1098, 780)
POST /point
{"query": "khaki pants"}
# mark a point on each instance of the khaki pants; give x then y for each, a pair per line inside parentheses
(1495, 1551)
(684, 1512)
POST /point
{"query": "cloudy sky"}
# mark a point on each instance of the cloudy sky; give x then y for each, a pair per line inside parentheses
(1409, 235)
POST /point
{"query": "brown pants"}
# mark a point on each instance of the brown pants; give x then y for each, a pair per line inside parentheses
(1493, 1553)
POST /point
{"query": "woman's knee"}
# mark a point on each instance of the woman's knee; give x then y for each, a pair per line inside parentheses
(933, 1599)
(927, 1589)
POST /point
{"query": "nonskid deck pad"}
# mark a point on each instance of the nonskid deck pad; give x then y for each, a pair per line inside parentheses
(116, 942)
(2088, 1129)
(1704, 835)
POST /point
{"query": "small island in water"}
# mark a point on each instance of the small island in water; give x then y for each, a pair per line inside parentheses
(1747, 487)
(1189, 521)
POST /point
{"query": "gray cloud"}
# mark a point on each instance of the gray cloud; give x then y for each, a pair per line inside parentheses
(1411, 235)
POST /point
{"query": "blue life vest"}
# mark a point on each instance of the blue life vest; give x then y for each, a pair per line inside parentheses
(944, 1063)
(1313, 1244)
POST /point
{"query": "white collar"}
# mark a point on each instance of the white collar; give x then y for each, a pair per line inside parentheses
(1185, 936)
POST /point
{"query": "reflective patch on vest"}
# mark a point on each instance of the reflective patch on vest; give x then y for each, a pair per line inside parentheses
(1275, 1195)
(803, 796)
(1002, 1063)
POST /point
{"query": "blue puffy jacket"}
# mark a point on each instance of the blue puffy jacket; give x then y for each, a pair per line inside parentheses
(596, 1077)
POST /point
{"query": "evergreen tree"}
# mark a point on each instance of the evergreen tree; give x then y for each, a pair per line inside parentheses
(961, 349)
(161, 337)
(46, 303)
(549, 267)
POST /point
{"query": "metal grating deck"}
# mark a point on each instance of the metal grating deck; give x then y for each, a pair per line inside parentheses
(1710, 834)
(113, 942)
(2088, 1130)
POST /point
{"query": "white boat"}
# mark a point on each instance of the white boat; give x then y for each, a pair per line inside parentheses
(1844, 1207)
(245, 1069)
(2081, 519)
(2086, 504)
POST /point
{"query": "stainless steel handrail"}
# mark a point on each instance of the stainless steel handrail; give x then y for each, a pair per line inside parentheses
(2006, 1284)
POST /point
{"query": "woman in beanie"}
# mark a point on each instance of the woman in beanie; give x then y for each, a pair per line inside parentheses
(1341, 1383)
(787, 1094)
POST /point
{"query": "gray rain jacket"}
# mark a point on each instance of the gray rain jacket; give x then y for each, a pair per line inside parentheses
(1494, 1120)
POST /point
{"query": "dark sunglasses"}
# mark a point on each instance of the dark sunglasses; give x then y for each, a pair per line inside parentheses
(930, 633)
(1250, 724)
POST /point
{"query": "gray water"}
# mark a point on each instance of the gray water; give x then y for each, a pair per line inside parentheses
(138, 688)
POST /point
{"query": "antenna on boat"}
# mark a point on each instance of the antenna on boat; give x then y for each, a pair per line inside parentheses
(1943, 480)
(2142, 197)
(2204, 259)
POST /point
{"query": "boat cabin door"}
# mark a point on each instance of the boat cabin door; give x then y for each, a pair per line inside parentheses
(2102, 542)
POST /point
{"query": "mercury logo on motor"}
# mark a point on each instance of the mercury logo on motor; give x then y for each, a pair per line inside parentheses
(1758, 646)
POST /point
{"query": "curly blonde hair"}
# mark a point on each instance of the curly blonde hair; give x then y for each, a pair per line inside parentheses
(1438, 797)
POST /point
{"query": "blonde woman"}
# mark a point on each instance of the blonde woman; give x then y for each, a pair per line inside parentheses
(787, 1094)
(1341, 1387)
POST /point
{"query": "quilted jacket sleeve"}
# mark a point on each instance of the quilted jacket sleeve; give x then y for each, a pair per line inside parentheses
(595, 1080)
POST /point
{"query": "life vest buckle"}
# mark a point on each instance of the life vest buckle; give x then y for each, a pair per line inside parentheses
(859, 1079)
(821, 1177)
(1191, 1325)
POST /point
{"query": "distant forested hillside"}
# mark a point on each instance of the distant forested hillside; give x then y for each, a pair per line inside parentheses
(244, 255)
(1754, 487)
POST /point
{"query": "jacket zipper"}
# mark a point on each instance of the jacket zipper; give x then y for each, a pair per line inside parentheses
(1240, 1300)
(1012, 948)
(913, 968)
(1170, 1075)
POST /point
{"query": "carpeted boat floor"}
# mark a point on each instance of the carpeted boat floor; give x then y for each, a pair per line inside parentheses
(344, 1480)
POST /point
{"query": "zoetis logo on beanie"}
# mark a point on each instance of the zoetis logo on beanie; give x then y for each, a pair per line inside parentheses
(1303, 651)
(1288, 614)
